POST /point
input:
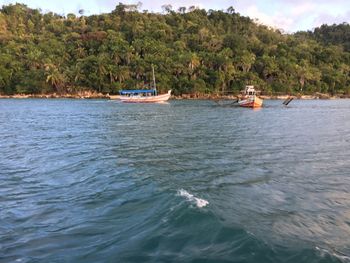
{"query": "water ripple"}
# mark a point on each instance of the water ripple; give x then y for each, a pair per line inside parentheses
(102, 181)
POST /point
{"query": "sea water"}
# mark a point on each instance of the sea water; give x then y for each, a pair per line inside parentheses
(186, 181)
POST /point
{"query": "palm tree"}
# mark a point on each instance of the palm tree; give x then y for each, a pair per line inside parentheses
(122, 73)
(77, 72)
(246, 61)
(128, 54)
(193, 65)
(55, 77)
(34, 58)
(101, 70)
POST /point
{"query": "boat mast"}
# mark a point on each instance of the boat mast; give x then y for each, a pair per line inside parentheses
(154, 79)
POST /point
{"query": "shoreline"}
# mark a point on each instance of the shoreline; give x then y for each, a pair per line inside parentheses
(180, 97)
(265, 97)
(56, 96)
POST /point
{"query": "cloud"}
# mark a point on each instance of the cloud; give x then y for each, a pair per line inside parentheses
(325, 18)
(276, 21)
(303, 8)
(295, 15)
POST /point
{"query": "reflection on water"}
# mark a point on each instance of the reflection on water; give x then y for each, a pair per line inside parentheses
(183, 181)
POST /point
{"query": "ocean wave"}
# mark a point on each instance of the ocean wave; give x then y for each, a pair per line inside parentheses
(197, 201)
(337, 254)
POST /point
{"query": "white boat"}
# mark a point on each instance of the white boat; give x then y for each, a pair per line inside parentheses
(250, 99)
(144, 95)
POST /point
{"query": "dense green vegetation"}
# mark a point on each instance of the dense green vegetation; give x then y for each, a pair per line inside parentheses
(334, 34)
(193, 50)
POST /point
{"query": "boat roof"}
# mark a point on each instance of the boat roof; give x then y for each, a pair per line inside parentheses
(249, 88)
(136, 91)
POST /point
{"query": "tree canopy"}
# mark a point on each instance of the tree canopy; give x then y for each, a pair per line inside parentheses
(193, 51)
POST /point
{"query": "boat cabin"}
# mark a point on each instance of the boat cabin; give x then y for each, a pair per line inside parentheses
(249, 90)
(138, 92)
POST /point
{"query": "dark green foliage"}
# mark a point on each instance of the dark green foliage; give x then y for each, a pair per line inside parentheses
(334, 34)
(194, 51)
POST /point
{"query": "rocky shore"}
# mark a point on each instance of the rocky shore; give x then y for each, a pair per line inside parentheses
(80, 95)
(266, 97)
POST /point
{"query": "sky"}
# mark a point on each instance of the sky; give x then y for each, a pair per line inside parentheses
(287, 15)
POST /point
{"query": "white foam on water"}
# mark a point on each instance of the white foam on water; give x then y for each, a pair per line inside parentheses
(338, 255)
(198, 201)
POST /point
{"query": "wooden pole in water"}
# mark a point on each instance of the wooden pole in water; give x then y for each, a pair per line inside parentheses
(288, 100)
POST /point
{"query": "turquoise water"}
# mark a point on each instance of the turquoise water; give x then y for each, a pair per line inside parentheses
(187, 181)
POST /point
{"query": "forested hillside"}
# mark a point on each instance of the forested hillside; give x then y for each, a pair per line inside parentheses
(193, 51)
(334, 34)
